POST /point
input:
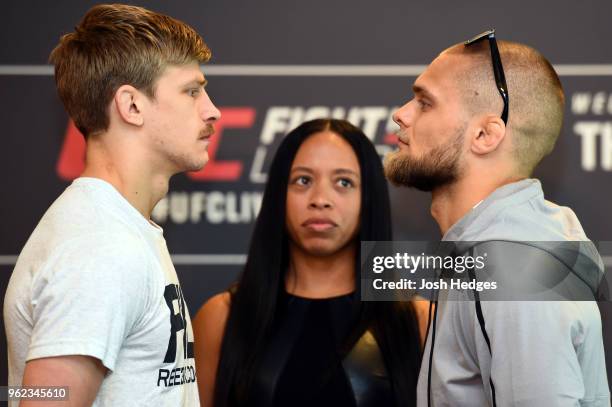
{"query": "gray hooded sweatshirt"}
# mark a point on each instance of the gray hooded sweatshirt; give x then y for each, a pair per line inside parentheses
(543, 353)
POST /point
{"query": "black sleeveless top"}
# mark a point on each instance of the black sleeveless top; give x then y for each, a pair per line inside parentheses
(303, 364)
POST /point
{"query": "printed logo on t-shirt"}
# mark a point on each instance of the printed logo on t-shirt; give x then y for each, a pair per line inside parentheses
(178, 322)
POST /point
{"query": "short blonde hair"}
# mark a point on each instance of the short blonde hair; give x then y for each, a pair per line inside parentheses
(114, 45)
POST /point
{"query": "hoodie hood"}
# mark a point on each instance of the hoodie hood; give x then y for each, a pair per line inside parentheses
(532, 245)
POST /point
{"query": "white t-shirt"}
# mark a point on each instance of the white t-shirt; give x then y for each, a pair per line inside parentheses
(95, 278)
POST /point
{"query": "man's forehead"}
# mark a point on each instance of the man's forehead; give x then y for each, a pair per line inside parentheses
(183, 73)
(440, 76)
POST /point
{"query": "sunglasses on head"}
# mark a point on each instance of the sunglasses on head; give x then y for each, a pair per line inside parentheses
(498, 69)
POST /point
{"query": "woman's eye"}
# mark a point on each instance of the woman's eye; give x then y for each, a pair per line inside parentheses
(345, 183)
(302, 180)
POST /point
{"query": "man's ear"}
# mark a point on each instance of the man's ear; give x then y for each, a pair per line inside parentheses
(488, 135)
(129, 102)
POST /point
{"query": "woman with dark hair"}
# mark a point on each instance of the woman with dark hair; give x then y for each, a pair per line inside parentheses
(293, 331)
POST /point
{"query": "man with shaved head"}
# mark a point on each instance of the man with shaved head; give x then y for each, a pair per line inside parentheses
(483, 116)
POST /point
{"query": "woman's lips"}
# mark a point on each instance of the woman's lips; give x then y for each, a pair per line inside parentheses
(319, 224)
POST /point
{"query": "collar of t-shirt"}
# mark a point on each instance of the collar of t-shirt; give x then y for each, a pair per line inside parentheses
(111, 196)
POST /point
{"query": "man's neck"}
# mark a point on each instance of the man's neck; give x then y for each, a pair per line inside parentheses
(128, 170)
(321, 276)
(451, 202)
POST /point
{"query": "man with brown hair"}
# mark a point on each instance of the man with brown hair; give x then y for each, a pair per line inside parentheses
(472, 135)
(94, 302)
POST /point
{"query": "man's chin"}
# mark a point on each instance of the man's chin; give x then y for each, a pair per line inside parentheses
(395, 168)
(401, 174)
(403, 181)
(199, 164)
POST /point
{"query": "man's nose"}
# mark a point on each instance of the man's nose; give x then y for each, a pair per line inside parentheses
(210, 113)
(403, 115)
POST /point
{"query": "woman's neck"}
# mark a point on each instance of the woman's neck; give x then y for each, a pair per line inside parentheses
(313, 276)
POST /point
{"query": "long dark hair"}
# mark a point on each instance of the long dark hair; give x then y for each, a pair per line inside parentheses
(254, 301)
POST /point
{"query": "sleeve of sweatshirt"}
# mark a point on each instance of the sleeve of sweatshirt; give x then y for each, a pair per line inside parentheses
(546, 353)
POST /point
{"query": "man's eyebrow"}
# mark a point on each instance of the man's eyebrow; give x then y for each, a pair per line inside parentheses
(199, 82)
(419, 90)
